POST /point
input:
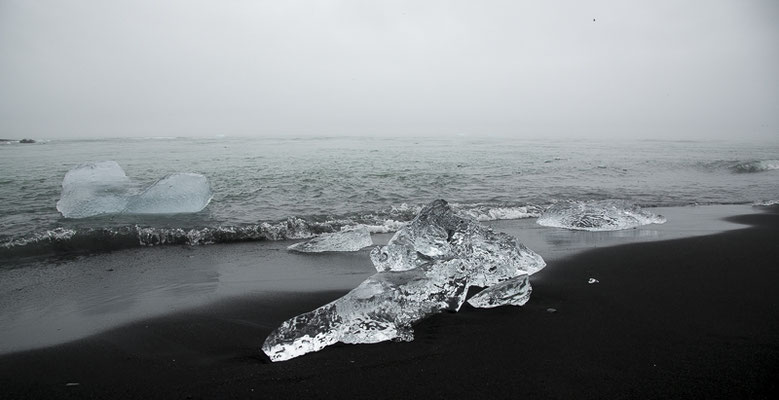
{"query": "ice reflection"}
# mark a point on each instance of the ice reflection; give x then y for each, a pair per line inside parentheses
(46, 304)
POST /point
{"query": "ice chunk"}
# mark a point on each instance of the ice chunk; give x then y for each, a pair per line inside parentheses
(427, 267)
(439, 233)
(350, 239)
(515, 292)
(592, 280)
(98, 188)
(176, 193)
(604, 215)
(381, 308)
(94, 188)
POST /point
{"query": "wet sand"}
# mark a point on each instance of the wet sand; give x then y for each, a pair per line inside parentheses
(686, 318)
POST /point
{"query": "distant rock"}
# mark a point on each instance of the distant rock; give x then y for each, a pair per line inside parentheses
(27, 141)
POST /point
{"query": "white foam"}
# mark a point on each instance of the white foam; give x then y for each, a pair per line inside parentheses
(766, 203)
(757, 166)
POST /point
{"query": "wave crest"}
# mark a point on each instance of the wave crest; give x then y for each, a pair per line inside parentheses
(755, 166)
(90, 240)
(766, 203)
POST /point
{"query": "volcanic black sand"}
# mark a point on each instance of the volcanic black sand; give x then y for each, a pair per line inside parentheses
(688, 318)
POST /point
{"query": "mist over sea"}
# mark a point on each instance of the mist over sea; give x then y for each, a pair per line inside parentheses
(268, 189)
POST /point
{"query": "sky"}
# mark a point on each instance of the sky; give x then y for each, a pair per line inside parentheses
(558, 69)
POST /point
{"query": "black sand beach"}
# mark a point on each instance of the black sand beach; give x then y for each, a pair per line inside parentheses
(687, 318)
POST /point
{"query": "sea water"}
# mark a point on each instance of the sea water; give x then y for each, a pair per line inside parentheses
(288, 188)
(59, 283)
(266, 188)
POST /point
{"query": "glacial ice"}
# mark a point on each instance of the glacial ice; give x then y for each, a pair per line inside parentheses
(602, 215)
(427, 267)
(98, 188)
(349, 239)
(94, 188)
(515, 292)
(438, 232)
(176, 193)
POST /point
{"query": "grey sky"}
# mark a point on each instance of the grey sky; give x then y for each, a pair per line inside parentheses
(652, 69)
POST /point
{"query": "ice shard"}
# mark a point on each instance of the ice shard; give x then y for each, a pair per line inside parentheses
(602, 215)
(98, 188)
(350, 239)
(427, 267)
(381, 308)
(515, 292)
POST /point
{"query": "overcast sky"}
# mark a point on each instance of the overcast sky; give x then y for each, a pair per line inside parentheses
(646, 69)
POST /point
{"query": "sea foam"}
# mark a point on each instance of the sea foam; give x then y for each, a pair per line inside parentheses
(755, 166)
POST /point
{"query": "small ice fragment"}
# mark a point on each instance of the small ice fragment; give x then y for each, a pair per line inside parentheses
(72, 384)
(346, 240)
(551, 310)
(604, 215)
(514, 292)
(427, 267)
(592, 280)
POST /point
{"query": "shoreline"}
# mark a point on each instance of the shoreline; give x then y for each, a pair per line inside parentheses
(53, 302)
(693, 317)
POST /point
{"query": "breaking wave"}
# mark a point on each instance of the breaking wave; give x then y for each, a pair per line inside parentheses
(743, 167)
(755, 166)
(90, 240)
(766, 203)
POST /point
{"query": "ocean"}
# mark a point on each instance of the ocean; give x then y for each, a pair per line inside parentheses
(292, 188)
